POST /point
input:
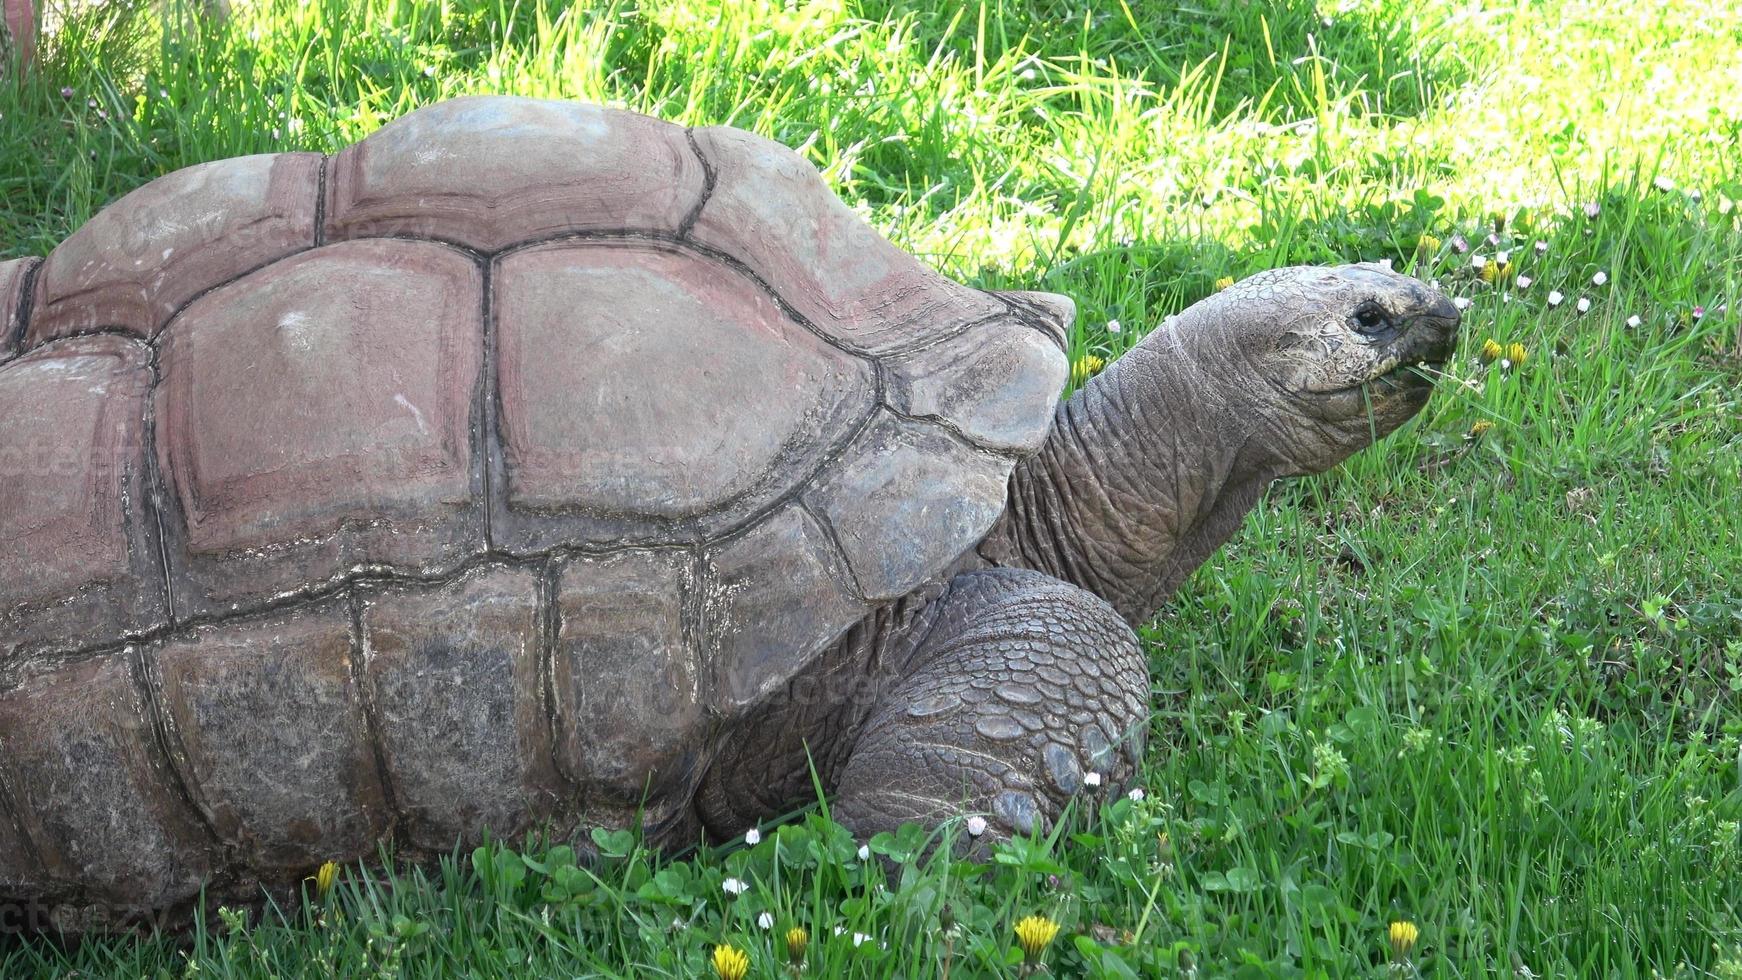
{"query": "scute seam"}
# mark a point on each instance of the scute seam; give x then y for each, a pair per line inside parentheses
(165, 743)
(395, 822)
(710, 178)
(169, 321)
(46, 657)
(854, 587)
(826, 461)
(956, 434)
(485, 407)
(26, 306)
(1026, 316)
(601, 236)
(321, 201)
(707, 251)
(692, 612)
(947, 336)
(155, 498)
(547, 650)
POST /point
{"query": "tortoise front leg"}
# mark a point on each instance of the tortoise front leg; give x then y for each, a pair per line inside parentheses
(1023, 687)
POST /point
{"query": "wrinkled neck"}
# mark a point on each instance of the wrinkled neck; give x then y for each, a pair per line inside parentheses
(1148, 469)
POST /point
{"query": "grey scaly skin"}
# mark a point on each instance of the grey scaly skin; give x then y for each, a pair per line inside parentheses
(999, 692)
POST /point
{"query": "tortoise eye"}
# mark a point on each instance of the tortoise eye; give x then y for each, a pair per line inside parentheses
(1370, 319)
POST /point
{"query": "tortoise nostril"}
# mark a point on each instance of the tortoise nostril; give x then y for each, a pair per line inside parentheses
(1440, 307)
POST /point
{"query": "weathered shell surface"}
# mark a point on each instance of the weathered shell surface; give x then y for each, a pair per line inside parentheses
(466, 478)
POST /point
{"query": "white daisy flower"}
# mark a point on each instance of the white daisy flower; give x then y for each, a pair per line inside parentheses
(976, 826)
(1478, 260)
(765, 920)
(1461, 302)
(753, 837)
(1584, 305)
(735, 886)
(1600, 278)
(1634, 321)
(1136, 795)
(1524, 281)
(1092, 779)
(1541, 246)
(1555, 297)
(1502, 257)
(864, 852)
(1113, 326)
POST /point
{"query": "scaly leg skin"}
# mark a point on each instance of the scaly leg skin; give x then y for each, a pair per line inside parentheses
(1022, 687)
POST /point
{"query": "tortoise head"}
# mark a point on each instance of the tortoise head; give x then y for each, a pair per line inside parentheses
(1331, 358)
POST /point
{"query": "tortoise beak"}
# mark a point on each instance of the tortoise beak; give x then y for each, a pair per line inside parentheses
(1435, 330)
(1432, 331)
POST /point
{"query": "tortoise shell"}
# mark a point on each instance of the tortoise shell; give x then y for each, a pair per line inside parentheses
(512, 446)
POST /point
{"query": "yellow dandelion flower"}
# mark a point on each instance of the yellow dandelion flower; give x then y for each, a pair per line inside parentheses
(730, 962)
(1428, 245)
(1491, 351)
(1481, 426)
(797, 941)
(1403, 936)
(1086, 367)
(1496, 272)
(1224, 283)
(1034, 934)
(325, 877)
(1516, 353)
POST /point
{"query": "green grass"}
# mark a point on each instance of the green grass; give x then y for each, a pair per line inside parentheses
(1489, 683)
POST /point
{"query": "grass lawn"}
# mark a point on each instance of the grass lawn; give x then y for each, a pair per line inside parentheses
(1486, 677)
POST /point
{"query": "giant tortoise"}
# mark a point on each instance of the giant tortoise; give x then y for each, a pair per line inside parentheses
(536, 466)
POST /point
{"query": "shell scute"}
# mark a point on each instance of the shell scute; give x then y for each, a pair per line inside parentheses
(773, 597)
(650, 394)
(627, 682)
(772, 211)
(995, 385)
(316, 416)
(454, 673)
(908, 499)
(487, 172)
(90, 793)
(79, 564)
(139, 260)
(246, 697)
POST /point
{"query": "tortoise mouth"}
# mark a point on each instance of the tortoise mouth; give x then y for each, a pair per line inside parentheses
(1408, 377)
(1420, 357)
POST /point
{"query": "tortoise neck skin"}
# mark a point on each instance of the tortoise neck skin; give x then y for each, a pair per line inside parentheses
(1145, 474)
(1154, 463)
